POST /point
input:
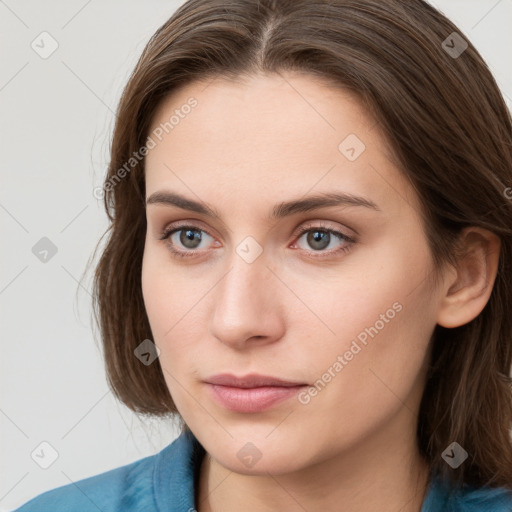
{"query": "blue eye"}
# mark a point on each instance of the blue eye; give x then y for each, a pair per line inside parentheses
(320, 238)
(189, 239)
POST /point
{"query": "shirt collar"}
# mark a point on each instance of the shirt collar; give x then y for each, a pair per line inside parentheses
(176, 474)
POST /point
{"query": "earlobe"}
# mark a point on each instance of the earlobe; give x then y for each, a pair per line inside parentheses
(467, 292)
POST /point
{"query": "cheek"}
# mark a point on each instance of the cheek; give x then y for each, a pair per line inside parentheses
(366, 292)
(175, 312)
(166, 290)
(156, 293)
(161, 299)
(372, 323)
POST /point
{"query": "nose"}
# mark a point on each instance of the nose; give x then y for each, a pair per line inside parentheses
(247, 307)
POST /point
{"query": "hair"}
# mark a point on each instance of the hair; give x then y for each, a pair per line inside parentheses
(450, 132)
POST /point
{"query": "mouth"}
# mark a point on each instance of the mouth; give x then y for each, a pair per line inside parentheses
(252, 380)
(251, 393)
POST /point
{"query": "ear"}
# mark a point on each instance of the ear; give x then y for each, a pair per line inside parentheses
(469, 287)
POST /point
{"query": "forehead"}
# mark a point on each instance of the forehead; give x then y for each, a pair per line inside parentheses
(271, 135)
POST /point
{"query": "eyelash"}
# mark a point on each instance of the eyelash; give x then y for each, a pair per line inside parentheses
(170, 230)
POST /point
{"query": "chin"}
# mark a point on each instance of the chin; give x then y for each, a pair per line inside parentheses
(257, 457)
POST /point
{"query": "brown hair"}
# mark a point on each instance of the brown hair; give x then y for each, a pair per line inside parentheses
(450, 132)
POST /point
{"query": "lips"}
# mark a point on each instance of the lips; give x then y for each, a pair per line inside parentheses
(252, 393)
(252, 380)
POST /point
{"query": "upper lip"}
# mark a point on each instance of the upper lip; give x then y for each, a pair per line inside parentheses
(252, 380)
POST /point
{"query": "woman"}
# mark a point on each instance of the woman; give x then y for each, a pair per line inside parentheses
(309, 264)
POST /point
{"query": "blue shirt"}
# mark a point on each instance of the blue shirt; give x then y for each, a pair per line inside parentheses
(166, 482)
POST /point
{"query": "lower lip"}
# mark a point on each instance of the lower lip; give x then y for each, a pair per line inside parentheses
(251, 399)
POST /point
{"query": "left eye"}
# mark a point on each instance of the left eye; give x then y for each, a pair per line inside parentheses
(320, 238)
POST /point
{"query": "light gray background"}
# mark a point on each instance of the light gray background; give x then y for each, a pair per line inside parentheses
(56, 119)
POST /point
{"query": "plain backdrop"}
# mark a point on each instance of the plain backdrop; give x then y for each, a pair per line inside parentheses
(56, 119)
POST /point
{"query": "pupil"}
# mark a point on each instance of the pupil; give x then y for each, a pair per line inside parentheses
(315, 239)
(190, 235)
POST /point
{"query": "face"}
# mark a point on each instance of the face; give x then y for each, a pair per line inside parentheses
(332, 296)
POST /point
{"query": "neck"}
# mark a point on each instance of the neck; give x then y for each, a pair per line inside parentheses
(385, 474)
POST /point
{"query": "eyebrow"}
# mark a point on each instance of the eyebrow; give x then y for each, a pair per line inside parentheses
(280, 210)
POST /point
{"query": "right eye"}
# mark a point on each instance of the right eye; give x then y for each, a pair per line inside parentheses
(188, 236)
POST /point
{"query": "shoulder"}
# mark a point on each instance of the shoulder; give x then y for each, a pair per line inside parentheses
(118, 489)
(482, 500)
(468, 499)
(150, 484)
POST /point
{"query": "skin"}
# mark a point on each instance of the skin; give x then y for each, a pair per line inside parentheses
(245, 147)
